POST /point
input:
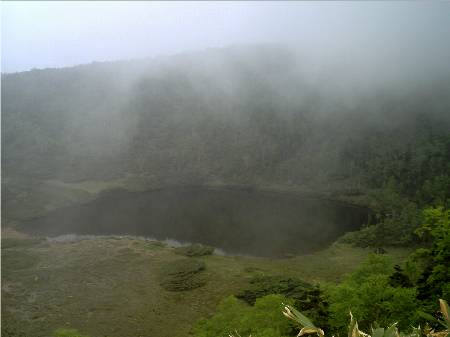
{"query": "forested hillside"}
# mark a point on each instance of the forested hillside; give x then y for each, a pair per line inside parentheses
(255, 116)
(241, 115)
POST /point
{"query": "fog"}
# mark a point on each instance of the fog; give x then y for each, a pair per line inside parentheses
(391, 35)
(153, 74)
(304, 139)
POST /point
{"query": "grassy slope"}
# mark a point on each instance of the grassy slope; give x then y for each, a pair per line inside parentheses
(110, 287)
(34, 198)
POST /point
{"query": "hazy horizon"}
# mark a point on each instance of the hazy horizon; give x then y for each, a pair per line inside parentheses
(62, 34)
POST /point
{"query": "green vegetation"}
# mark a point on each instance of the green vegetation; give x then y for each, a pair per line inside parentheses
(263, 125)
(263, 319)
(183, 274)
(180, 122)
(22, 242)
(424, 278)
(195, 249)
(304, 295)
(368, 294)
(13, 260)
(62, 282)
(434, 281)
(119, 293)
(376, 293)
(307, 327)
(68, 333)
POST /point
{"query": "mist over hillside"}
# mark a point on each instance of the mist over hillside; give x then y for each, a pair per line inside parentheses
(176, 169)
(250, 115)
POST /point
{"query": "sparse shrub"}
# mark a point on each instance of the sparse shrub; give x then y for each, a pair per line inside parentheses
(195, 249)
(365, 237)
(305, 295)
(183, 274)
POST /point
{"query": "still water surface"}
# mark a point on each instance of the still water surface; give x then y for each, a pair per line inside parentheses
(237, 221)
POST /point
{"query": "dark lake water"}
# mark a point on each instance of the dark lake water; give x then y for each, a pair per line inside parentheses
(237, 221)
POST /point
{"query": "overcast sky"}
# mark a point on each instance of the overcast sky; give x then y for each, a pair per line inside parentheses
(57, 34)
